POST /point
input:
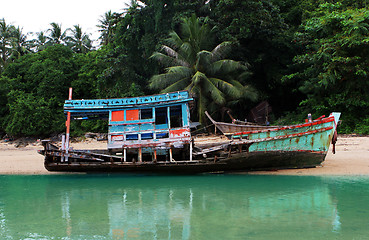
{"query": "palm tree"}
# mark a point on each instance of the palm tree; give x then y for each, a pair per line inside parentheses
(5, 43)
(20, 44)
(107, 24)
(40, 42)
(57, 36)
(133, 6)
(192, 64)
(79, 41)
(13, 43)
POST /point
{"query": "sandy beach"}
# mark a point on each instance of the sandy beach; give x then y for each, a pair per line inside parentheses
(351, 158)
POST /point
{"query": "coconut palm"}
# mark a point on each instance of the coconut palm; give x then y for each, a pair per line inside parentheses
(40, 43)
(193, 64)
(5, 42)
(57, 36)
(79, 41)
(133, 6)
(106, 26)
(20, 44)
(13, 43)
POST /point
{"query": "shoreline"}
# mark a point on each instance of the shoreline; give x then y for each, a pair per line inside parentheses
(351, 158)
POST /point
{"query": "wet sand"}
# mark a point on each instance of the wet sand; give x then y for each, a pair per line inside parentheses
(351, 158)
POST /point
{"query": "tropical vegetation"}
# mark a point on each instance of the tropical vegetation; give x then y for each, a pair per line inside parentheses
(192, 63)
(302, 57)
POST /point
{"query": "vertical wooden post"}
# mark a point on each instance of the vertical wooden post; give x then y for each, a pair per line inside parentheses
(63, 148)
(230, 151)
(63, 142)
(139, 154)
(125, 154)
(155, 156)
(68, 128)
(170, 154)
(191, 150)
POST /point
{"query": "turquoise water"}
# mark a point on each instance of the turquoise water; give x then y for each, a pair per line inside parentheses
(184, 207)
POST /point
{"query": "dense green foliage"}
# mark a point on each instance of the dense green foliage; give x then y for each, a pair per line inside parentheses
(301, 56)
(333, 71)
(37, 87)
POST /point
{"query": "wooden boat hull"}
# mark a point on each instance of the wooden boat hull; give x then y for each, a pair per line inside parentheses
(237, 162)
(230, 128)
(297, 146)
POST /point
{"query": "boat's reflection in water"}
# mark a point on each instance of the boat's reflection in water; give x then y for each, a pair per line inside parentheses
(186, 207)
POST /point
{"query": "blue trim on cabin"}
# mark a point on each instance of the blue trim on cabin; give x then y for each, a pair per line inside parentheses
(140, 121)
(168, 116)
(185, 115)
(117, 103)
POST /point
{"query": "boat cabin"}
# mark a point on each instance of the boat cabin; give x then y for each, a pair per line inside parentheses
(139, 126)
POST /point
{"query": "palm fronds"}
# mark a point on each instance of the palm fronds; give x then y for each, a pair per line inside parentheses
(192, 65)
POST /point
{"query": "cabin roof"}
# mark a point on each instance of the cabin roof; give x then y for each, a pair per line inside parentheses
(103, 106)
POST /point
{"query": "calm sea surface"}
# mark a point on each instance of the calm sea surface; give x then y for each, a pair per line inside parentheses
(185, 207)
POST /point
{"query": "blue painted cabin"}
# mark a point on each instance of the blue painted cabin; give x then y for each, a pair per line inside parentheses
(157, 122)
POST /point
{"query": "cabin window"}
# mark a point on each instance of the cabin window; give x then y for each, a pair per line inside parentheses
(162, 135)
(146, 113)
(161, 115)
(132, 136)
(146, 136)
(117, 116)
(117, 138)
(132, 115)
(176, 116)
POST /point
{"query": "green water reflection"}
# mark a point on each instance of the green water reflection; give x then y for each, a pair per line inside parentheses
(186, 207)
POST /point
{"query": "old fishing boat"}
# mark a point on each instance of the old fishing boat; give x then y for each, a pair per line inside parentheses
(152, 134)
(228, 129)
